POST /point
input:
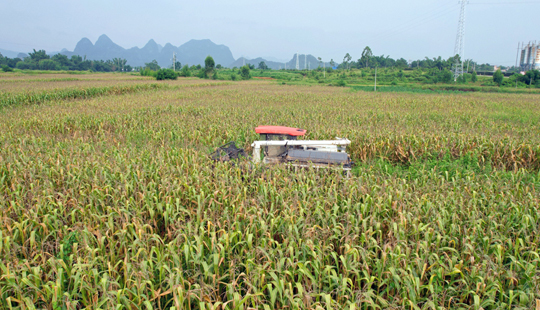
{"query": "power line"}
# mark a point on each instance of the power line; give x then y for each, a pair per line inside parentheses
(517, 2)
(418, 21)
(400, 29)
(413, 22)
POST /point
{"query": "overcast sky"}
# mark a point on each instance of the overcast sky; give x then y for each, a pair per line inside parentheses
(279, 28)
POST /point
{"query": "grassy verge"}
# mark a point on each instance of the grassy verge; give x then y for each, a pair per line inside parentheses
(449, 168)
(442, 89)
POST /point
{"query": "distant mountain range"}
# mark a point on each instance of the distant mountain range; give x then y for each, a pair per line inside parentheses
(190, 53)
(12, 54)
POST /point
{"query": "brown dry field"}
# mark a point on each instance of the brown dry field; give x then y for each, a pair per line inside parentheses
(19, 83)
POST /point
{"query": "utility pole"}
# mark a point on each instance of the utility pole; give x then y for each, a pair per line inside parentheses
(517, 55)
(460, 42)
(375, 79)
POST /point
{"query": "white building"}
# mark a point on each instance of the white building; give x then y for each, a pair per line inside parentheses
(530, 56)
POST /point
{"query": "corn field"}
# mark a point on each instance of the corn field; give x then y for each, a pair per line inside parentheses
(108, 199)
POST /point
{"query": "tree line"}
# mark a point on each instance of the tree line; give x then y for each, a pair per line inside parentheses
(40, 60)
(209, 71)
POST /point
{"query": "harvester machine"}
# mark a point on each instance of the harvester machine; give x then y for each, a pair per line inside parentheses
(280, 145)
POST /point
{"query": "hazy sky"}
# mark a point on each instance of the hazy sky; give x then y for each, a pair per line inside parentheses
(253, 28)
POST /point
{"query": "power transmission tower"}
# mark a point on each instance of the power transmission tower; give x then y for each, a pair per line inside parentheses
(305, 61)
(174, 61)
(460, 42)
(297, 62)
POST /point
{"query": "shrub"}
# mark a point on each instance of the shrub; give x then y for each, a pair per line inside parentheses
(341, 83)
(244, 73)
(48, 64)
(7, 68)
(498, 77)
(166, 74)
(148, 72)
(202, 74)
(445, 76)
(234, 77)
(185, 71)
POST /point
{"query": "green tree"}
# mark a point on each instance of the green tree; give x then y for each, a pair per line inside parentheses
(27, 64)
(62, 60)
(498, 77)
(38, 55)
(401, 63)
(153, 65)
(263, 66)
(531, 77)
(332, 63)
(244, 72)
(209, 64)
(366, 56)
(474, 78)
(346, 60)
(202, 74)
(177, 66)
(185, 71)
(48, 64)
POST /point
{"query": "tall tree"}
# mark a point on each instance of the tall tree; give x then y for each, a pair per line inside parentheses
(244, 72)
(209, 64)
(262, 65)
(474, 78)
(498, 77)
(346, 60)
(366, 56)
(153, 65)
(38, 55)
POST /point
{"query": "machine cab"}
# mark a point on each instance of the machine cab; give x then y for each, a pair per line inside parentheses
(278, 133)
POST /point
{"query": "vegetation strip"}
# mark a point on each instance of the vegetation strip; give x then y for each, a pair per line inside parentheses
(444, 89)
(8, 99)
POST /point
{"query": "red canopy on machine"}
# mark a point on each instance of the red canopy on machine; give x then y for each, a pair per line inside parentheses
(280, 130)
